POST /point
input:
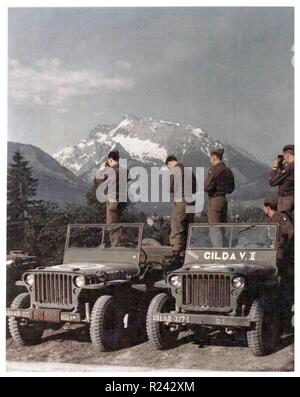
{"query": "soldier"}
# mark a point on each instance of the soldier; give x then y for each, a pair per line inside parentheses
(113, 204)
(285, 255)
(218, 183)
(180, 217)
(282, 175)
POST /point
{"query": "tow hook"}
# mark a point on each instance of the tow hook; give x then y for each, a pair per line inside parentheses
(229, 330)
(67, 326)
(174, 327)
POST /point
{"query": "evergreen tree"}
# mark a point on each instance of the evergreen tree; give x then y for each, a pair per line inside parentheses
(238, 213)
(21, 186)
(95, 209)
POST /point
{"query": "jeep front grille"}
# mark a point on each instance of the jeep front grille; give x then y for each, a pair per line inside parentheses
(206, 291)
(53, 289)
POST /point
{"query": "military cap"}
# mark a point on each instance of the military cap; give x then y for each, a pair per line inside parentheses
(289, 148)
(271, 202)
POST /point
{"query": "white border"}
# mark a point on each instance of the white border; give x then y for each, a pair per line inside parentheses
(5, 4)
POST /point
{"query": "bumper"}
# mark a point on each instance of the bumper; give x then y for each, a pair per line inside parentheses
(44, 315)
(202, 319)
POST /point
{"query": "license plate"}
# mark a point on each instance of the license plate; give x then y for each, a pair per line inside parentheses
(70, 317)
(17, 313)
(171, 318)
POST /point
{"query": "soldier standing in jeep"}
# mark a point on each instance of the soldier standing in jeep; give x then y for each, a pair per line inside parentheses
(282, 175)
(112, 213)
(180, 217)
(285, 256)
(218, 183)
(114, 203)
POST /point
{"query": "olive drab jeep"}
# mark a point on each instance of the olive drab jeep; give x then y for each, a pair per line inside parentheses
(229, 281)
(106, 282)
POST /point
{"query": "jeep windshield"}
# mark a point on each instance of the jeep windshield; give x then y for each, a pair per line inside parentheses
(98, 243)
(233, 236)
(104, 236)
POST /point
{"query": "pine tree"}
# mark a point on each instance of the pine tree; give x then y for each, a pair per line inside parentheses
(21, 186)
(95, 209)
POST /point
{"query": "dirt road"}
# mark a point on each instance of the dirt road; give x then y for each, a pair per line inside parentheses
(218, 352)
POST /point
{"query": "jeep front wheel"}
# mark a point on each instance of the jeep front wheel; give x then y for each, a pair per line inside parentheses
(22, 331)
(160, 334)
(264, 335)
(107, 324)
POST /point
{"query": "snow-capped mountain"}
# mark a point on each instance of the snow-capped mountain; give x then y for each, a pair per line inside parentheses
(148, 142)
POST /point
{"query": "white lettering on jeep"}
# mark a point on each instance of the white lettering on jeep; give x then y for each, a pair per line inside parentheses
(234, 256)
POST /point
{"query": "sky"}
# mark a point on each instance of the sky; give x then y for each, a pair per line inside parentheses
(226, 70)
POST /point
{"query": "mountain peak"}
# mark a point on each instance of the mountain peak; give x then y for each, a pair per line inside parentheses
(100, 129)
(148, 141)
(130, 116)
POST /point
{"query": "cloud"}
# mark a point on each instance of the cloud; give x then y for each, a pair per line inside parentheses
(98, 114)
(123, 65)
(47, 82)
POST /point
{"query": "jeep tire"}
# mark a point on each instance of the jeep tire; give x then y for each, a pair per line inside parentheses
(21, 331)
(159, 334)
(263, 337)
(107, 324)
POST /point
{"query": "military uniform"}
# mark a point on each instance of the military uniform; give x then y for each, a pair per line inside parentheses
(216, 185)
(113, 205)
(180, 219)
(285, 263)
(284, 179)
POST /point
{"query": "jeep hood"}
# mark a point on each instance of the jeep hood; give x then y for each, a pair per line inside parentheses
(239, 268)
(92, 268)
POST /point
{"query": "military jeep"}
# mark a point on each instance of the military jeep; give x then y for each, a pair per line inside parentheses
(106, 281)
(228, 281)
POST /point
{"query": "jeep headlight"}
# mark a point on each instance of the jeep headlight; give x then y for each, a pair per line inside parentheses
(238, 282)
(79, 281)
(175, 281)
(29, 279)
(9, 262)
